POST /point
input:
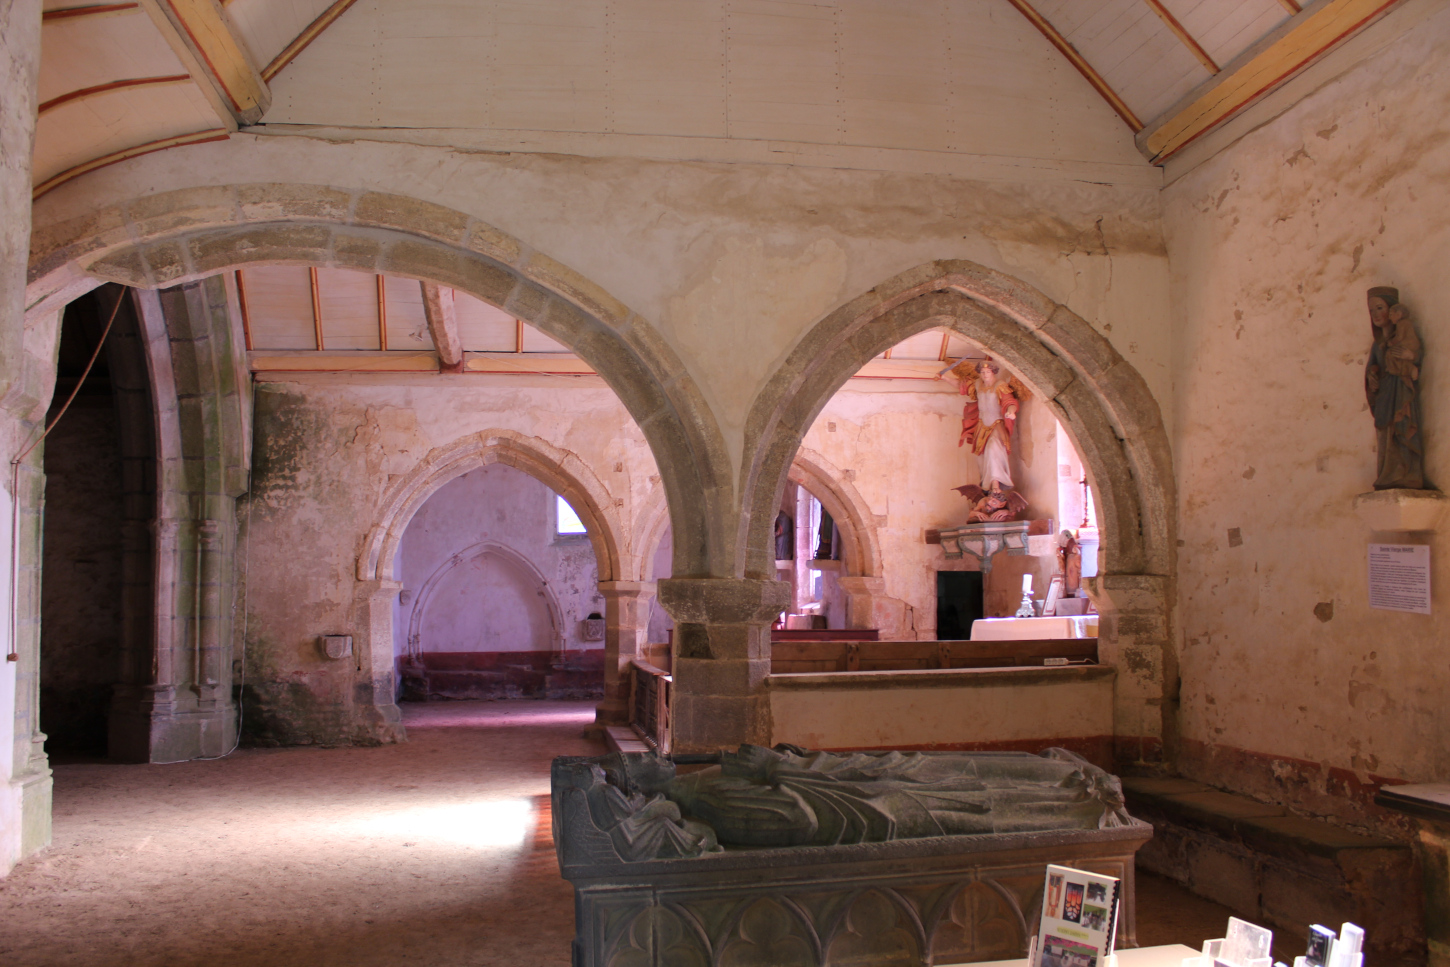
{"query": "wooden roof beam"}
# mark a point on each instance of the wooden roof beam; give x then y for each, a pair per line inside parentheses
(202, 36)
(1183, 35)
(443, 327)
(302, 40)
(1294, 45)
(1080, 62)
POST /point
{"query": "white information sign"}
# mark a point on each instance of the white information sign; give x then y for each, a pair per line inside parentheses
(1399, 577)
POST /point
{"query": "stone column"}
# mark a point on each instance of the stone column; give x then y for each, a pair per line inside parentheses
(1133, 638)
(722, 659)
(862, 593)
(375, 707)
(24, 771)
(626, 629)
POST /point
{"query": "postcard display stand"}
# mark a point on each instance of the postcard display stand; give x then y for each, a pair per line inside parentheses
(1248, 945)
(1079, 920)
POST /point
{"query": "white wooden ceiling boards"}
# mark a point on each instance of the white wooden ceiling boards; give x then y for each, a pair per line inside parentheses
(1053, 80)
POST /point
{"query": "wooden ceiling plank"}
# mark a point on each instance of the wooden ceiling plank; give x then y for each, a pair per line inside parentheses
(302, 40)
(443, 326)
(382, 314)
(201, 34)
(86, 92)
(70, 13)
(1183, 35)
(1291, 6)
(1303, 39)
(1077, 60)
(316, 308)
(198, 137)
(246, 318)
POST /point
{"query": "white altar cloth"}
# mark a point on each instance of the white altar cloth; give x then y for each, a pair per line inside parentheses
(1014, 629)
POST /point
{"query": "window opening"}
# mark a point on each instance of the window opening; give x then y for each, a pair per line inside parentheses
(567, 523)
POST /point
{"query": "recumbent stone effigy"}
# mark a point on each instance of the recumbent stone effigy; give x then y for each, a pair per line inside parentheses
(820, 853)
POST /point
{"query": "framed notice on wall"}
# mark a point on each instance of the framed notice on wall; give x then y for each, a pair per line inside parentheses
(1399, 577)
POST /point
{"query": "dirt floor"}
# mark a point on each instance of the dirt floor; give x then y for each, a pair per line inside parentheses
(434, 852)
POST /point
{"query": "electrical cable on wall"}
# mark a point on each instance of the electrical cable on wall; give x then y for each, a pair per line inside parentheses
(15, 480)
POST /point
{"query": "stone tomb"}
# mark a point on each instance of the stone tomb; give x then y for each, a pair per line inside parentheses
(653, 887)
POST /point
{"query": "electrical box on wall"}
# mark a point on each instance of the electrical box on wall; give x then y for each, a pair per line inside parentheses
(336, 646)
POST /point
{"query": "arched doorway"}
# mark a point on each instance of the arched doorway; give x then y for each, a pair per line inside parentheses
(1099, 399)
(499, 586)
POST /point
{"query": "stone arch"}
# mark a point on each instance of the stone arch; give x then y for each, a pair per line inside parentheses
(861, 553)
(1100, 399)
(649, 529)
(502, 551)
(166, 238)
(560, 470)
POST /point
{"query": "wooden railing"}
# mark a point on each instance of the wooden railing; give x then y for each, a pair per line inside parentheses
(649, 704)
(864, 656)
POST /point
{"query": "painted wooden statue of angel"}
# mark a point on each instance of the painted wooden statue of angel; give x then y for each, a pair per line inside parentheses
(988, 421)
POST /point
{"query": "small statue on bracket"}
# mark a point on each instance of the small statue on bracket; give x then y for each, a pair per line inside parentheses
(1391, 383)
(988, 420)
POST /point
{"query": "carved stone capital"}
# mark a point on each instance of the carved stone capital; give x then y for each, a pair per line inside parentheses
(706, 601)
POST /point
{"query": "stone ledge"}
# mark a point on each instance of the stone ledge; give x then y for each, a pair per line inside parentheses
(1401, 510)
(942, 678)
(1279, 869)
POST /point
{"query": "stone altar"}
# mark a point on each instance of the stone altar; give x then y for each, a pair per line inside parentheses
(909, 858)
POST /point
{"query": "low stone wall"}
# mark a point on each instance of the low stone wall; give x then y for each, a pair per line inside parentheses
(1281, 870)
(1019, 709)
(435, 676)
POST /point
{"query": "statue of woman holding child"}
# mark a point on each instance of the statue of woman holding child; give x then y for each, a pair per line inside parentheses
(1391, 384)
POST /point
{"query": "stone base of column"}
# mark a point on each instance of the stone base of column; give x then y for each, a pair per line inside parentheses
(719, 704)
(1133, 636)
(626, 625)
(167, 735)
(722, 660)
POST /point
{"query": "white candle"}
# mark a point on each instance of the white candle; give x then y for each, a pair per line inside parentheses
(1026, 584)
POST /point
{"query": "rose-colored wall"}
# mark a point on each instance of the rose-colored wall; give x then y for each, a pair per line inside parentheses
(491, 603)
(1292, 688)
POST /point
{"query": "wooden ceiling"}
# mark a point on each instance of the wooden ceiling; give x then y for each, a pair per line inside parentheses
(123, 79)
(297, 319)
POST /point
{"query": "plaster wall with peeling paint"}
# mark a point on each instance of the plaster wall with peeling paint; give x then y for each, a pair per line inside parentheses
(733, 263)
(1292, 688)
(328, 450)
(330, 447)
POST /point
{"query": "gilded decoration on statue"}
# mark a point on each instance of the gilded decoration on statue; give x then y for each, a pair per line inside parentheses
(989, 420)
(1392, 386)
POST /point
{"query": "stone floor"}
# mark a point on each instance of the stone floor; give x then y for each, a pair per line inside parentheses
(435, 852)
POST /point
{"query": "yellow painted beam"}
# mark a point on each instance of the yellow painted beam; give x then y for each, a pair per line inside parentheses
(361, 361)
(201, 33)
(520, 364)
(1307, 35)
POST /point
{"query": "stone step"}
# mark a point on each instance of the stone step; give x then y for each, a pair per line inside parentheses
(622, 738)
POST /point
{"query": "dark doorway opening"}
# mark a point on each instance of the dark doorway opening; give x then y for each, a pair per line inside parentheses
(958, 603)
(80, 630)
